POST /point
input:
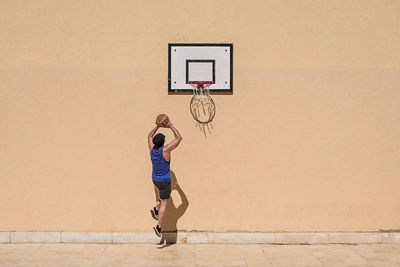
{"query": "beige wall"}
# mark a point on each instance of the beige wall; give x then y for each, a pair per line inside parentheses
(309, 140)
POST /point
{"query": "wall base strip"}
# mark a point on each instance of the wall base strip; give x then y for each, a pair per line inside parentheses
(194, 237)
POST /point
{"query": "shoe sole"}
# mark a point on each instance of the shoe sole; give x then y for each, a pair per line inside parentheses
(157, 233)
(153, 214)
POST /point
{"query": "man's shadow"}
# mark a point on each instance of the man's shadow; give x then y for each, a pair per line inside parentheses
(172, 214)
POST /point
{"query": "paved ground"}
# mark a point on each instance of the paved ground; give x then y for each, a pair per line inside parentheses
(64, 254)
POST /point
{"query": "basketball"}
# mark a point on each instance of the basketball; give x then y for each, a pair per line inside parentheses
(162, 120)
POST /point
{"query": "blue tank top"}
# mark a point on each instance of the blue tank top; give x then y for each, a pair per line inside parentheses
(161, 171)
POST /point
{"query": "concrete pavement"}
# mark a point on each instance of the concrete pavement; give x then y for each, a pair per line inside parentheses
(84, 254)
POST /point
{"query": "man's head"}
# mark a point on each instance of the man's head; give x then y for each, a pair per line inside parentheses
(158, 140)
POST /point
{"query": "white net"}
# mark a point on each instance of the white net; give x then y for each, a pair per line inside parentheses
(202, 106)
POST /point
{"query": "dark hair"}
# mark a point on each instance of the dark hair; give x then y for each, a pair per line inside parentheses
(158, 140)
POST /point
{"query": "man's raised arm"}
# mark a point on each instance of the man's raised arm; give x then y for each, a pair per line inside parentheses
(150, 137)
(178, 138)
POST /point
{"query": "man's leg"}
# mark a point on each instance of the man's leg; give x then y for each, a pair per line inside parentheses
(154, 211)
(161, 211)
(165, 192)
(157, 206)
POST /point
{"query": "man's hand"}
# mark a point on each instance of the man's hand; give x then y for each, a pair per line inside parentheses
(169, 124)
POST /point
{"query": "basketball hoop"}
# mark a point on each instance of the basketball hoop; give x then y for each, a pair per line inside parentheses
(202, 105)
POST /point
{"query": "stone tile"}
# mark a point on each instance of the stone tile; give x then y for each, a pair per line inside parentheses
(202, 260)
(47, 265)
(255, 256)
(323, 254)
(174, 255)
(175, 252)
(19, 247)
(257, 263)
(252, 250)
(10, 260)
(90, 250)
(294, 255)
(84, 261)
(66, 254)
(118, 261)
(16, 253)
(161, 263)
(43, 254)
(90, 254)
(171, 261)
(207, 254)
(86, 237)
(354, 238)
(5, 237)
(241, 238)
(135, 249)
(230, 262)
(79, 255)
(341, 264)
(71, 247)
(391, 238)
(337, 254)
(281, 250)
(62, 258)
(230, 251)
(52, 237)
(290, 260)
(233, 264)
(227, 254)
(121, 254)
(379, 253)
(379, 263)
(81, 265)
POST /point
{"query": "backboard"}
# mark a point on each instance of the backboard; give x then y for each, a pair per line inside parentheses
(200, 62)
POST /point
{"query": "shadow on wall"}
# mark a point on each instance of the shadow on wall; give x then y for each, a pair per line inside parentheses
(173, 213)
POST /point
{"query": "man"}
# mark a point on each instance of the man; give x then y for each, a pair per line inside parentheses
(161, 158)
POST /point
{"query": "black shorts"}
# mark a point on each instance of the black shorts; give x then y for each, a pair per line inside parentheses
(165, 189)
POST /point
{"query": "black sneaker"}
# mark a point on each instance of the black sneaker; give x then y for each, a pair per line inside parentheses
(157, 230)
(154, 214)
